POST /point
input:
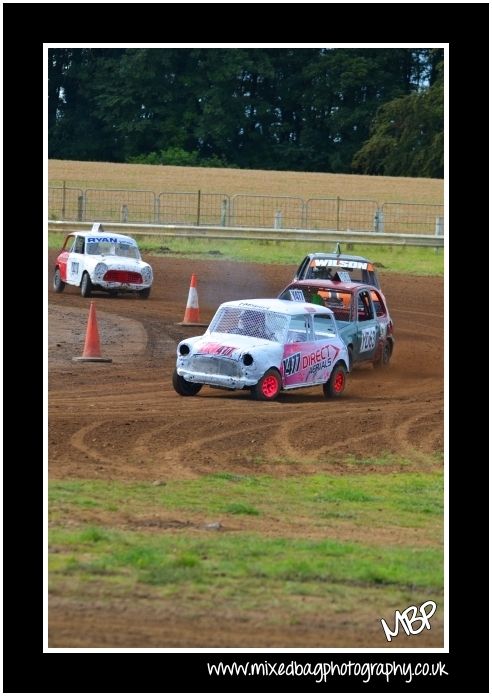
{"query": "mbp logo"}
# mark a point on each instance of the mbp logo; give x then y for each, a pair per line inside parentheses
(408, 617)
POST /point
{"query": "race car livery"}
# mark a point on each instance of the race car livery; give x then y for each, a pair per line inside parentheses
(99, 260)
(265, 346)
(361, 313)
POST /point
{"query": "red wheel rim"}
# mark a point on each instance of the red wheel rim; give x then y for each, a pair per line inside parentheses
(269, 387)
(339, 382)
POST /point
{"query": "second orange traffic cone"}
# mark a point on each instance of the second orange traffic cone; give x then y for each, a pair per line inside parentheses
(192, 311)
(92, 348)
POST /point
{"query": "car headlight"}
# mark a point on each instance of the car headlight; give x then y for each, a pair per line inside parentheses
(100, 271)
(147, 274)
(247, 359)
(183, 349)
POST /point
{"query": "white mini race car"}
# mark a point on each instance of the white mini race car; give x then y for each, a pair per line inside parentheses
(103, 261)
(266, 346)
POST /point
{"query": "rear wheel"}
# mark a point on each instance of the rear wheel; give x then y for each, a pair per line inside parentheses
(336, 384)
(58, 284)
(384, 358)
(269, 386)
(86, 285)
(183, 387)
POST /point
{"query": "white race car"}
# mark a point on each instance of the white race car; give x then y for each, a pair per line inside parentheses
(102, 261)
(264, 345)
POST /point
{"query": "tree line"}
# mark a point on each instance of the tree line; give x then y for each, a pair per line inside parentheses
(354, 110)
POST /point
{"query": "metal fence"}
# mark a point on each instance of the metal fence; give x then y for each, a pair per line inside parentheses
(411, 218)
(340, 214)
(280, 212)
(243, 210)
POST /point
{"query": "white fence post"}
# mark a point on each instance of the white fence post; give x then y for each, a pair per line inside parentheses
(439, 231)
(378, 220)
(223, 213)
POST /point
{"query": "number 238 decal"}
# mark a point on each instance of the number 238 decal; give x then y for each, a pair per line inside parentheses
(368, 340)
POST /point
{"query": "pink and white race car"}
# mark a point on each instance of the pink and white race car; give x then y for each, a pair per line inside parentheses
(266, 346)
(99, 260)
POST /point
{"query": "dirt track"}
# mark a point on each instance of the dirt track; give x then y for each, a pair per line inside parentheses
(124, 421)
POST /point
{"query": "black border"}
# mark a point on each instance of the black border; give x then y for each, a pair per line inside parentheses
(467, 662)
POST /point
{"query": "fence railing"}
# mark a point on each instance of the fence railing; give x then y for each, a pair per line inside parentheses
(242, 210)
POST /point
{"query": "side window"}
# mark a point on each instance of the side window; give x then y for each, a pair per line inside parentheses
(79, 245)
(303, 270)
(378, 303)
(299, 329)
(324, 326)
(69, 242)
(364, 306)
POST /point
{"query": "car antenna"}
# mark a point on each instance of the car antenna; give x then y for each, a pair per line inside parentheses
(337, 249)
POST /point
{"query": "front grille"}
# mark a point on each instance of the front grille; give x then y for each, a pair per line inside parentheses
(122, 277)
(211, 365)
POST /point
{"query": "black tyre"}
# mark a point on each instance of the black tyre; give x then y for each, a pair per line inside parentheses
(183, 387)
(58, 284)
(269, 386)
(143, 294)
(336, 384)
(86, 286)
(350, 352)
(385, 357)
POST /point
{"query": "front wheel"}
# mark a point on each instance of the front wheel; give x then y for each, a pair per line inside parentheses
(336, 384)
(269, 386)
(143, 294)
(350, 352)
(58, 284)
(183, 387)
(86, 286)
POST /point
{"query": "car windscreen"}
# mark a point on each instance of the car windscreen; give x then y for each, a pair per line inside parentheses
(253, 322)
(124, 249)
(345, 271)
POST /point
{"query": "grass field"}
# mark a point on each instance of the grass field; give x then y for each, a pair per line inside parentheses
(232, 181)
(398, 259)
(321, 550)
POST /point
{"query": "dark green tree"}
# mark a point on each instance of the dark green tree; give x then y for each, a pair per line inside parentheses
(299, 109)
(407, 138)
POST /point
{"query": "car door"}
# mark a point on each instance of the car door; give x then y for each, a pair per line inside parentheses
(296, 349)
(75, 265)
(307, 356)
(63, 257)
(368, 330)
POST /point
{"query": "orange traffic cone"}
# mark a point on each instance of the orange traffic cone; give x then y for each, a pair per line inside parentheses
(192, 311)
(92, 349)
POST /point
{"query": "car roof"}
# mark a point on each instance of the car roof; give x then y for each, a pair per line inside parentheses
(109, 235)
(341, 257)
(330, 284)
(274, 305)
